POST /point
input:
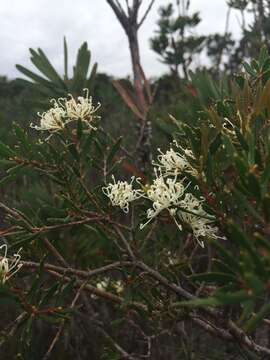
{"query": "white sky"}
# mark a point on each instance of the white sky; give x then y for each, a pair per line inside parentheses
(43, 23)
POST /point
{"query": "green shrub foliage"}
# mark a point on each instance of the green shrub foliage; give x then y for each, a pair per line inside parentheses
(108, 253)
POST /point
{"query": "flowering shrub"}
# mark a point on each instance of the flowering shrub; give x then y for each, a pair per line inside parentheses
(178, 245)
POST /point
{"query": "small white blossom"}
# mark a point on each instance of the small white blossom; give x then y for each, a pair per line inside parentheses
(173, 163)
(165, 194)
(197, 218)
(121, 193)
(65, 111)
(103, 284)
(106, 283)
(172, 259)
(7, 268)
(118, 286)
(82, 109)
(51, 120)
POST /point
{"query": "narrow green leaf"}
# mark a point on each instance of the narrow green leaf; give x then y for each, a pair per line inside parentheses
(34, 76)
(239, 237)
(6, 151)
(114, 149)
(91, 79)
(258, 318)
(228, 257)
(216, 277)
(65, 60)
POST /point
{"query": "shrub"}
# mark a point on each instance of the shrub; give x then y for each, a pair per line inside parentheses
(119, 261)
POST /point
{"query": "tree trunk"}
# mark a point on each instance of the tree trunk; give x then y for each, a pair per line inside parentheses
(136, 67)
(142, 91)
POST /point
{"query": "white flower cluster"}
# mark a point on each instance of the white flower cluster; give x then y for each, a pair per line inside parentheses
(65, 110)
(172, 162)
(106, 282)
(165, 194)
(121, 193)
(82, 109)
(103, 284)
(193, 214)
(168, 192)
(7, 268)
(51, 120)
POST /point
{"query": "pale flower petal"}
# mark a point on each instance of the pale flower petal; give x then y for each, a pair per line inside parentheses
(65, 111)
(9, 268)
(82, 109)
(121, 193)
(165, 193)
(172, 162)
(197, 218)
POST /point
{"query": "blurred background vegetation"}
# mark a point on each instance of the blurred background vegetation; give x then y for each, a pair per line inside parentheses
(186, 93)
(176, 44)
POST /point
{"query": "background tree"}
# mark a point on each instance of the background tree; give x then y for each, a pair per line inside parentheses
(174, 41)
(131, 24)
(140, 98)
(220, 46)
(254, 33)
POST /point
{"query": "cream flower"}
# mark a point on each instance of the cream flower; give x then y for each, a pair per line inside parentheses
(118, 286)
(165, 194)
(103, 284)
(121, 193)
(7, 268)
(51, 120)
(198, 219)
(106, 283)
(173, 163)
(82, 109)
(65, 111)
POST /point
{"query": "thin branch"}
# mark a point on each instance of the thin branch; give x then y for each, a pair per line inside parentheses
(146, 13)
(123, 353)
(134, 11)
(234, 333)
(55, 340)
(211, 328)
(125, 242)
(100, 293)
(16, 323)
(119, 12)
(89, 288)
(55, 252)
(72, 223)
(243, 339)
(61, 327)
(70, 271)
(155, 274)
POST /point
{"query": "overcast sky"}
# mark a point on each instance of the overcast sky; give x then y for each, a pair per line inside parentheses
(43, 23)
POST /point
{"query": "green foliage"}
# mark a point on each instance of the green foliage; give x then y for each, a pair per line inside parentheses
(172, 43)
(255, 31)
(89, 271)
(51, 84)
(236, 168)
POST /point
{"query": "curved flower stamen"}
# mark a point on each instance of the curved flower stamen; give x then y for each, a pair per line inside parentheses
(51, 120)
(172, 162)
(121, 193)
(7, 268)
(165, 194)
(82, 109)
(197, 218)
(65, 111)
